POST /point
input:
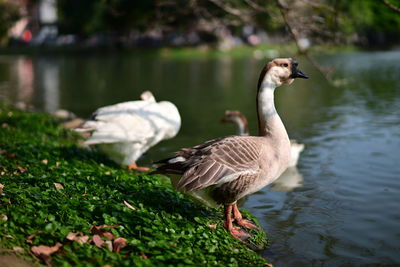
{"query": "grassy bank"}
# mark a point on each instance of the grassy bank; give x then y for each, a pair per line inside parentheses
(89, 212)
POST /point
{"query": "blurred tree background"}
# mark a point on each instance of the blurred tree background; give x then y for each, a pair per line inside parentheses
(8, 16)
(193, 22)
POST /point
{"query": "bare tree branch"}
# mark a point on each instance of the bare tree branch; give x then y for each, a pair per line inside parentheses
(284, 11)
(230, 10)
(256, 6)
(318, 5)
(395, 8)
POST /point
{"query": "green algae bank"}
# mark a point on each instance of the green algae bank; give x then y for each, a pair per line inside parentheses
(68, 206)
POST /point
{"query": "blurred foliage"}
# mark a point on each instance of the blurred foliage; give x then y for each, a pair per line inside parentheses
(371, 14)
(8, 16)
(322, 20)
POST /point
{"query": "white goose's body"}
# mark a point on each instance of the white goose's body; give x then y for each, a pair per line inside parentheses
(241, 123)
(126, 130)
(228, 168)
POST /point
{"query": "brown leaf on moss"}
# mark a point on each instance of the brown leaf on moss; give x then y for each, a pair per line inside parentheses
(30, 238)
(58, 185)
(45, 161)
(3, 217)
(98, 229)
(9, 236)
(108, 235)
(1, 188)
(98, 241)
(10, 156)
(212, 226)
(109, 245)
(119, 243)
(129, 205)
(21, 169)
(77, 237)
(143, 256)
(17, 249)
(44, 252)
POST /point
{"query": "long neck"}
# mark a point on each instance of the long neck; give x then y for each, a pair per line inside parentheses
(269, 122)
(241, 126)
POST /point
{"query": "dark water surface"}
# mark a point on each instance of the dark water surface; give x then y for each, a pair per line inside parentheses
(346, 210)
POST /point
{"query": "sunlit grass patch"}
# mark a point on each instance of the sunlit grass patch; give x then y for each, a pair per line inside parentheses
(57, 193)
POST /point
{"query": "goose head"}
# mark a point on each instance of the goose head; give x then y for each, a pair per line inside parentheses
(147, 96)
(233, 116)
(280, 71)
(237, 118)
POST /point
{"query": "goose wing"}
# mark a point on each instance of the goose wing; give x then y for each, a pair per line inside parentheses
(134, 121)
(215, 162)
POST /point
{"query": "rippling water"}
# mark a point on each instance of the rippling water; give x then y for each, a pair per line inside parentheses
(339, 207)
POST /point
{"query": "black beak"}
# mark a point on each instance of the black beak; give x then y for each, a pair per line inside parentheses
(296, 73)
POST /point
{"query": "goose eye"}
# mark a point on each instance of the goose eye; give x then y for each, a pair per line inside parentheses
(284, 65)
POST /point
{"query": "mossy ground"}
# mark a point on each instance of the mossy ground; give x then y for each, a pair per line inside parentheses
(165, 229)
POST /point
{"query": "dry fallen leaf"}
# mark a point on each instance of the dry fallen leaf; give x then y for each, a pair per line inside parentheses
(44, 252)
(98, 241)
(108, 235)
(109, 245)
(57, 164)
(78, 237)
(3, 217)
(17, 249)
(129, 205)
(30, 238)
(212, 226)
(45, 161)
(119, 243)
(58, 185)
(21, 169)
(9, 236)
(98, 229)
(143, 256)
(107, 173)
(1, 187)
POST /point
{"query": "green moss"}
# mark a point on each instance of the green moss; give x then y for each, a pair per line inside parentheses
(165, 229)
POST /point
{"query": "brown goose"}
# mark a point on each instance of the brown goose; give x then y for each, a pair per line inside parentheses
(223, 170)
(242, 128)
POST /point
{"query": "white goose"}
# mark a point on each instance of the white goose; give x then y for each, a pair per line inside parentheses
(242, 128)
(223, 170)
(125, 131)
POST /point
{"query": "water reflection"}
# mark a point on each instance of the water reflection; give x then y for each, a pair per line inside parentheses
(288, 181)
(25, 79)
(48, 80)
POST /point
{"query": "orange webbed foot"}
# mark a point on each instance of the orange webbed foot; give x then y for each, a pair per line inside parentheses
(134, 167)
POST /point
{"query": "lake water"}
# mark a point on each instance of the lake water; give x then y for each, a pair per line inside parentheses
(340, 207)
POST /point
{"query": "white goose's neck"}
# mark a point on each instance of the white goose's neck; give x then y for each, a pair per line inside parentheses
(269, 122)
(241, 126)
